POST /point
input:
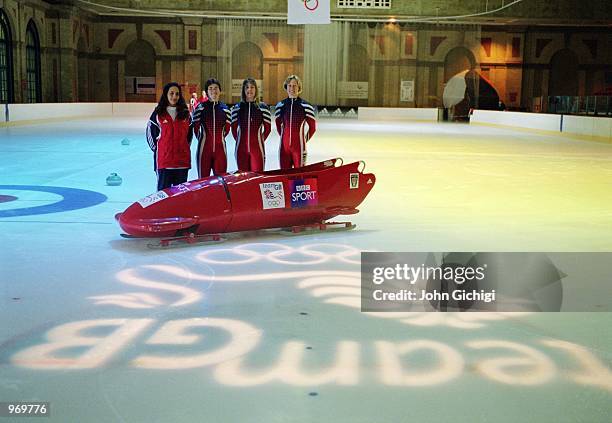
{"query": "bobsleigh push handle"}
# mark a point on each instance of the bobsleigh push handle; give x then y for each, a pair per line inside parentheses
(361, 165)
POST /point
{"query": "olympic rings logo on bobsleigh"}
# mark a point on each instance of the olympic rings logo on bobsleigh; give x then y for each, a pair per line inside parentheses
(273, 203)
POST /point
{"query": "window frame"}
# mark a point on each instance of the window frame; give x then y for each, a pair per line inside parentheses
(33, 71)
(7, 94)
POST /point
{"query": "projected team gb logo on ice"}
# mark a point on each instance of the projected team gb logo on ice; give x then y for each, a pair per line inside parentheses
(304, 192)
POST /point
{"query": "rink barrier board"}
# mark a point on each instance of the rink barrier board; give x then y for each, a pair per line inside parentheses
(597, 127)
(25, 114)
(397, 114)
(142, 110)
(540, 121)
(39, 112)
(576, 127)
(549, 133)
(579, 127)
(13, 123)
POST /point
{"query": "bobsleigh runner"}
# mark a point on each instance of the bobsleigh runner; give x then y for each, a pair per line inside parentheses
(296, 200)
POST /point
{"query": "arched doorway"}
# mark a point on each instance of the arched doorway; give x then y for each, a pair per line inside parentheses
(6, 60)
(458, 60)
(34, 89)
(82, 84)
(247, 61)
(563, 79)
(140, 72)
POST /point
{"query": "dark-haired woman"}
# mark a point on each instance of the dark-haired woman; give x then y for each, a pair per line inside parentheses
(250, 128)
(211, 121)
(169, 133)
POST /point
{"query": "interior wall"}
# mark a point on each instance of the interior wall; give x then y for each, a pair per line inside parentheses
(388, 56)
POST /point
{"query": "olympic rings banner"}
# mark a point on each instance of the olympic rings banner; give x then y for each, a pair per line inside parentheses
(308, 12)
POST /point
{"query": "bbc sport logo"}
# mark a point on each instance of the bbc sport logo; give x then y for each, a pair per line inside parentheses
(304, 192)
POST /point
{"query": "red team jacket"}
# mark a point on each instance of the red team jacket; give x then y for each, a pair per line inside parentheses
(170, 141)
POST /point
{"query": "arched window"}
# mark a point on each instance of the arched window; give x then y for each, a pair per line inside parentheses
(358, 70)
(81, 85)
(140, 66)
(247, 61)
(458, 60)
(33, 94)
(6, 60)
(563, 80)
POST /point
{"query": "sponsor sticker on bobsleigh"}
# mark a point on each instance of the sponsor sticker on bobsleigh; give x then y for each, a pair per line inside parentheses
(152, 199)
(272, 195)
(304, 192)
(354, 181)
(184, 187)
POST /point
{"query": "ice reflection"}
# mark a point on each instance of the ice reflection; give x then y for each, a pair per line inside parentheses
(230, 347)
(410, 363)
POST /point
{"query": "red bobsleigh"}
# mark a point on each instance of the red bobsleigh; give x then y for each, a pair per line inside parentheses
(244, 201)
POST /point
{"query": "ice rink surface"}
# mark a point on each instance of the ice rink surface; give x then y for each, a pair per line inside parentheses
(267, 328)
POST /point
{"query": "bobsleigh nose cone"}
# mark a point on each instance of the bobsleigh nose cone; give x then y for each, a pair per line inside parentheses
(118, 216)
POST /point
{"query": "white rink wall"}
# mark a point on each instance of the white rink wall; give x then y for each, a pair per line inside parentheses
(141, 110)
(41, 111)
(600, 127)
(390, 113)
(589, 126)
(539, 121)
(47, 111)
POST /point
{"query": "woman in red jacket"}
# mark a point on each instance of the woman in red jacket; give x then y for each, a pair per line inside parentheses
(169, 133)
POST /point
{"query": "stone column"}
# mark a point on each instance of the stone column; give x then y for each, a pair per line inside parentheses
(121, 80)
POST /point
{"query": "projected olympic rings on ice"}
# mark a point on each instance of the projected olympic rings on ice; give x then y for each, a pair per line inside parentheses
(310, 254)
(72, 199)
(330, 286)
